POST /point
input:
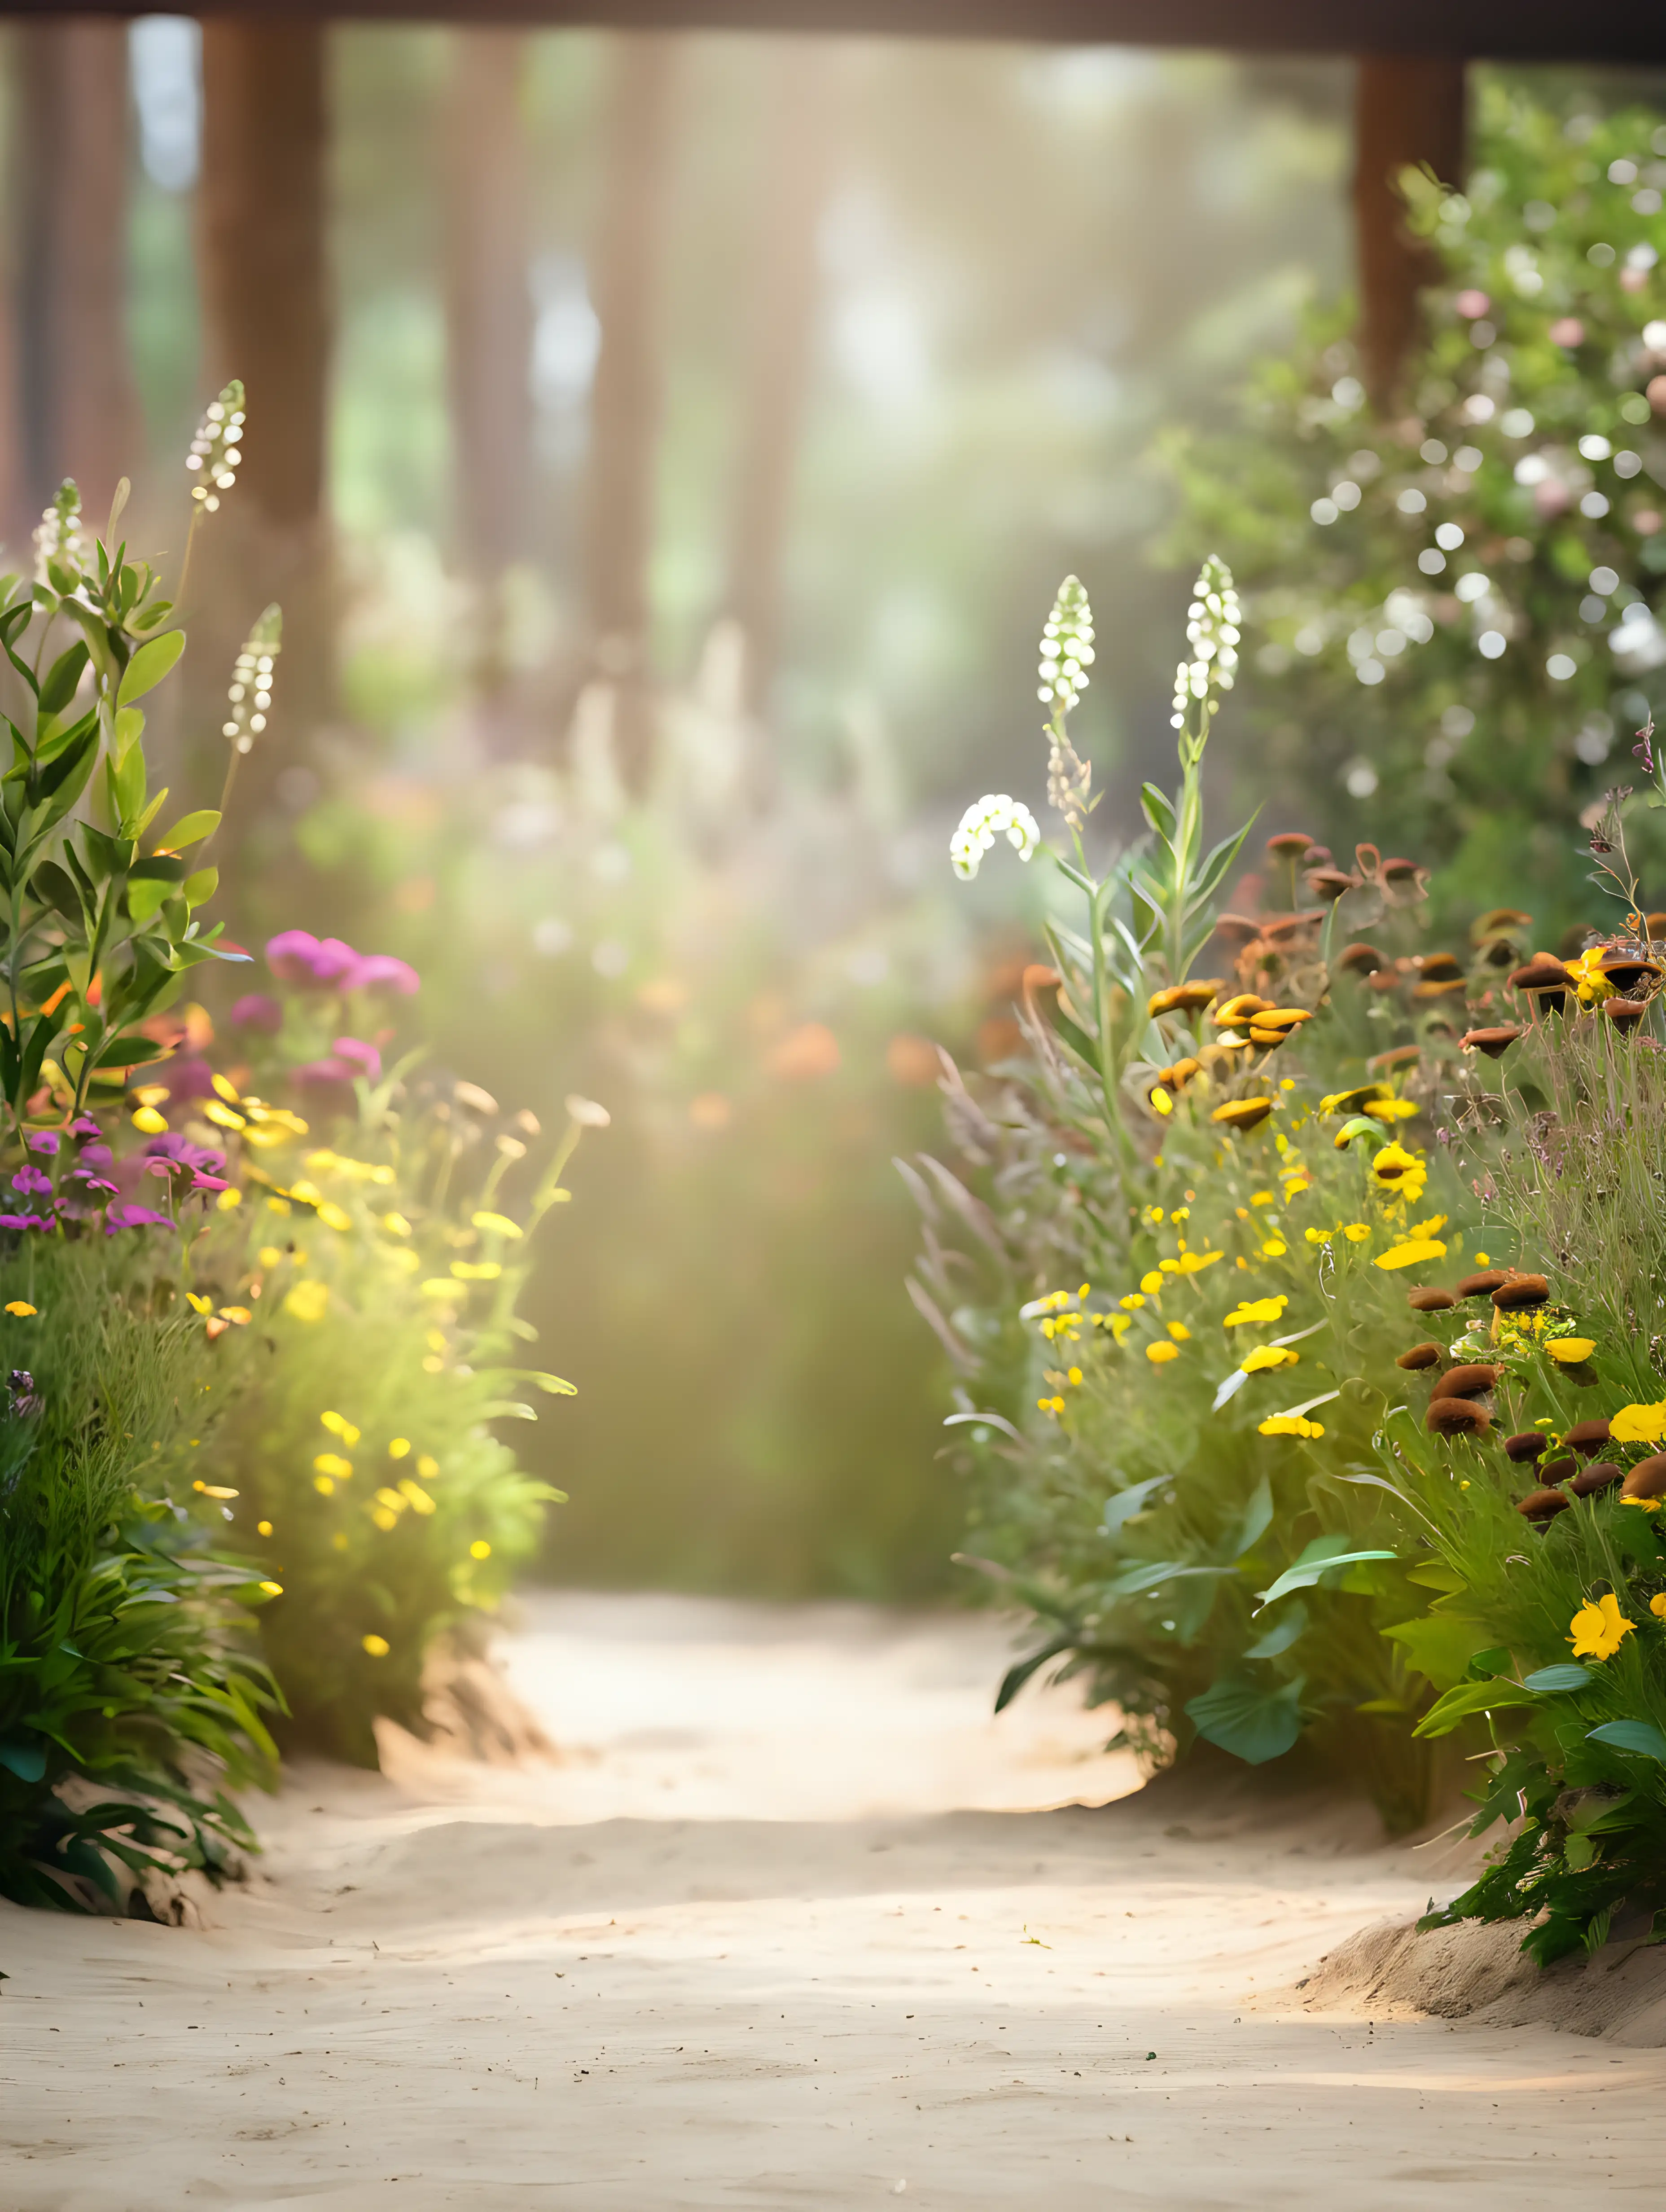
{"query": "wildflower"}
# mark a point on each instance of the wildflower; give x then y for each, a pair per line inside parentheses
(995, 815)
(377, 1646)
(1267, 1356)
(1599, 1628)
(1545, 980)
(1470, 1381)
(1521, 1293)
(1252, 1311)
(308, 1300)
(1179, 1332)
(1132, 1303)
(381, 971)
(257, 1012)
(1356, 1231)
(480, 1549)
(1184, 998)
(1353, 1101)
(296, 956)
(1160, 1101)
(1411, 1253)
(1159, 1353)
(21, 1309)
(1151, 1283)
(1289, 1424)
(1193, 1263)
(1494, 1042)
(1635, 1425)
(1396, 1169)
(496, 1225)
(263, 1527)
(1213, 631)
(125, 1215)
(271, 1589)
(1243, 1114)
(250, 697)
(1588, 976)
(1319, 1235)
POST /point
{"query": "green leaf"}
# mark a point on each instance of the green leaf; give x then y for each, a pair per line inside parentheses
(1307, 1571)
(199, 889)
(1444, 1715)
(153, 660)
(1015, 1677)
(1437, 1646)
(1257, 1519)
(1127, 1503)
(190, 829)
(145, 899)
(1158, 809)
(27, 1761)
(556, 1387)
(1287, 1629)
(1549, 1682)
(59, 687)
(1252, 1723)
(1641, 1736)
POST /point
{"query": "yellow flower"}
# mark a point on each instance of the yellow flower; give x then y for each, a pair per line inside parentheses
(1408, 1254)
(1160, 1101)
(1268, 1355)
(1179, 1332)
(1356, 1231)
(1657, 1605)
(1320, 1236)
(1289, 1424)
(480, 1549)
(1392, 1109)
(1254, 1310)
(21, 1309)
(1158, 1353)
(1569, 1350)
(333, 1216)
(1643, 1504)
(1431, 1227)
(229, 1198)
(1588, 976)
(1395, 1166)
(377, 1646)
(496, 1225)
(1638, 1425)
(1599, 1628)
(148, 1122)
(1074, 1377)
(399, 1448)
(428, 1468)
(333, 1463)
(1274, 1249)
(1151, 1283)
(271, 1589)
(1193, 1263)
(308, 1301)
(263, 1527)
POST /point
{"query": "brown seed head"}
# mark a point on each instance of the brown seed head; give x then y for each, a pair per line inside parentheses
(1290, 845)
(1647, 1479)
(1528, 1445)
(1469, 1382)
(1520, 1293)
(1558, 1469)
(1600, 1475)
(1626, 1013)
(1359, 960)
(1483, 1285)
(1494, 1042)
(1420, 1355)
(1455, 1417)
(1433, 1301)
(1543, 1505)
(1329, 884)
(1587, 1438)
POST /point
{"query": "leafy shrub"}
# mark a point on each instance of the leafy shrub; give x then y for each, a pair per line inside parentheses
(1455, 602)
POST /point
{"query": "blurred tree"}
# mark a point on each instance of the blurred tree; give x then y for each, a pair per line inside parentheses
(74, 384)
(626, 397)
(1408, 112)
(266, 319)
(796, 164)
(487, 303)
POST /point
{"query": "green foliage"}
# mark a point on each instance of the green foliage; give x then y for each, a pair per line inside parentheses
(127, 1710)
(1455, 601)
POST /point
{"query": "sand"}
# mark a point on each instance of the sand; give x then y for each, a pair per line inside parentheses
(789, 1920)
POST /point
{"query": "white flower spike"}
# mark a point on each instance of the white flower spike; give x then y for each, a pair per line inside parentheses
(995, 815)
(1213, 626)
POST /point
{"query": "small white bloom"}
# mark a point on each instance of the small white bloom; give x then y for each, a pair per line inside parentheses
(1067, 650)
(995, 815)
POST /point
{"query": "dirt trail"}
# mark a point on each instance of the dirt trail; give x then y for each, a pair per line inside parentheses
(791, 1921)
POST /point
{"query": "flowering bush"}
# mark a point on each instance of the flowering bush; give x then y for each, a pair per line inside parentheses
(1472, 576)
(379, 1250)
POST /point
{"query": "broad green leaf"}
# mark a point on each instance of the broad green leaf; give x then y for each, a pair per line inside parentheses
(190, 829)
(200, 888)
(1252, 1723)
(1550, 1681)
(1439, 1647)
(1127, 1503)
(1307, 1571)
(145, 898)
(1291, 1624)
(1641, 1736)
(153, 660)
(27, 1761)
(59, 687)
(1257, 1519)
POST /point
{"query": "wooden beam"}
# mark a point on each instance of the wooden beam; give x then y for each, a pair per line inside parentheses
(1503, 30)
(1408, 113)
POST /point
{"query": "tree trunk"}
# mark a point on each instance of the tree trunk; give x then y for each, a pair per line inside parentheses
(1409, 111)
(626, 397)
(76, 400)
(488, 300)
(265, 281)
(797, 173)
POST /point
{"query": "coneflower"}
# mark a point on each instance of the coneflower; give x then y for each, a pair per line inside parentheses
(1420, 1356)
(1483, 1285)
(1494, 1042)
(1470, 1381)
(1242, 1113)
(1587, 1438)
(1184, 998)
(1600, 1475)
(1647, 1479)
(1358, 960)
(1455, 1417)
(1521, 1293)
(1543, 1505)
(1525, 1448)
(1430, 1301)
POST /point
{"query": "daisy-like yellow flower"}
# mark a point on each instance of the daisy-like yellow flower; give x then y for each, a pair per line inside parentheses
(21, 1309)
(1638, 1425)
(1289, 1424)
(1599, 1628)
(1399, 1171)
(1193, 1263)
(1587, 977)
(1569, 1350)
(1410, 1253)
(1255, 1310)
(1266, 1356)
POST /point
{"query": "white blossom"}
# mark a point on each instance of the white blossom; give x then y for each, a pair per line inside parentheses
(995, 815)
(1067, 650)
(1213, 626)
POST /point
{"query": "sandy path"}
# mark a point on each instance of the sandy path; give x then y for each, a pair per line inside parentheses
(786, 1927)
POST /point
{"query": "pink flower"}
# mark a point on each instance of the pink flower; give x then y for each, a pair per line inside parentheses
(258, 1012)
(381, 971)
(364, 1057)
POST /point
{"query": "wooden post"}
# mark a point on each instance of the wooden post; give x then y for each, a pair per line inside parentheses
(797, 165)
(1408, 110)
(78, 408)
(626, 397)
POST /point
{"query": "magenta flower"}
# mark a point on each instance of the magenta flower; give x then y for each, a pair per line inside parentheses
(124, 1214)
(361, 1057)
(258, 1012)
(381, 971)
(31, 1181)
(319, 1074)
(44, 1141)
(23, 1221)
(315, 964)
(84, 1127)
